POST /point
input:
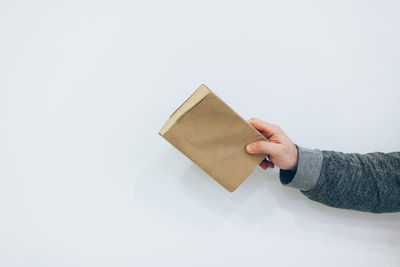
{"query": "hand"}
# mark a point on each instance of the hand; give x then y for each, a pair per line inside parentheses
(281, 151)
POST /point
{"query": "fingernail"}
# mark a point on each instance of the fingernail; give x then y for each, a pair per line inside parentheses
(249, 148)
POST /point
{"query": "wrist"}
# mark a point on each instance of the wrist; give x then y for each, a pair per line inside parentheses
(295, 158)
(308, 170)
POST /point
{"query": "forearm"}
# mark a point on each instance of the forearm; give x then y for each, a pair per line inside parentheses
(366, 182)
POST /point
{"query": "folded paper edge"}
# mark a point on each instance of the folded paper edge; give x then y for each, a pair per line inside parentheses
(171, 121)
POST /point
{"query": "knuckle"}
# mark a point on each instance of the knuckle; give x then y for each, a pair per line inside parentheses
(259, 147)
(256, 146)
(277, 128)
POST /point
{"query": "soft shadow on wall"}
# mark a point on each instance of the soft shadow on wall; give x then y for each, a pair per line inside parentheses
(263, 190)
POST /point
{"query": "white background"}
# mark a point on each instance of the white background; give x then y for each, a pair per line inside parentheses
(85, 86)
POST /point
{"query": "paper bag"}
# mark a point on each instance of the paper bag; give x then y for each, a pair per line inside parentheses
(214, 137)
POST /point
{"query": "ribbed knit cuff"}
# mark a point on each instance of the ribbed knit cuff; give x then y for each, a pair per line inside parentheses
(308, 170)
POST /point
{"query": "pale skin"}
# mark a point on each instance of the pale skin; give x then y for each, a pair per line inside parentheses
(282, 152)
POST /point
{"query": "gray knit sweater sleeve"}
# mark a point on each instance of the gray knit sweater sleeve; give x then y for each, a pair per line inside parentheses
(366, 182)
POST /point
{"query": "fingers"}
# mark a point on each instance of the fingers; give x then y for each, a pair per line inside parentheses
(266, 128)
(263, 147)
(265, 164)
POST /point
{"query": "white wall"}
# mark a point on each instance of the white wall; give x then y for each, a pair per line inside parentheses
(85, 179)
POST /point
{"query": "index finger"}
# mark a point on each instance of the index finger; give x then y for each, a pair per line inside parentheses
(266, 128)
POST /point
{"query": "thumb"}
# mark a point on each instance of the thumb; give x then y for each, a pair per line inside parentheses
(262, 147)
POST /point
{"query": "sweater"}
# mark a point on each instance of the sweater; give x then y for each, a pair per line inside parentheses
(365, 182)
